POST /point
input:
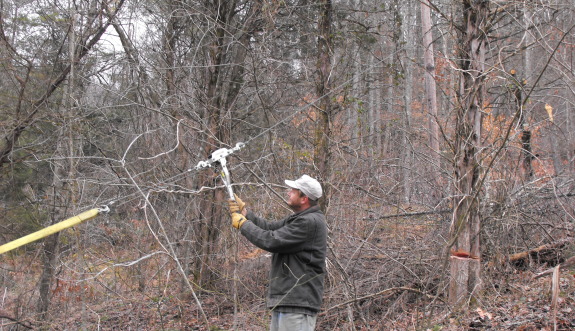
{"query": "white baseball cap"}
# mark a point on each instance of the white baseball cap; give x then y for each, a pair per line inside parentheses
(309, 186)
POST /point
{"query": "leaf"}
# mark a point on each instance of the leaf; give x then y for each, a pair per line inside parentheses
(549, 110)
(484, 314)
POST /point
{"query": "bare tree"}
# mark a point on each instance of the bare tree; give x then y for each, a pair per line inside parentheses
(466, 223)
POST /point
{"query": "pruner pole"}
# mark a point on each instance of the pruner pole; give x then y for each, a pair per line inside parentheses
(74, 220)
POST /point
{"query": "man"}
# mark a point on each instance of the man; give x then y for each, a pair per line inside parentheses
(298, 244)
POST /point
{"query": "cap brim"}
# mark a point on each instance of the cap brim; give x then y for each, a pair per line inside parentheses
(291, 184)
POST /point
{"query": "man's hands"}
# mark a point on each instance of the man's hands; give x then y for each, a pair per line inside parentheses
(237, 206)
(238, 220)
(238, 211)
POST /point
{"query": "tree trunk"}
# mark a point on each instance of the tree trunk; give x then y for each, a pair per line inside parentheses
(210, 213)
(464, 271)
(430, 87)
(50, 252)
(407, 15)
(224, 78)
(527, 164)
(465, 227)
(527, 155)
(63, 185)
(322, 152)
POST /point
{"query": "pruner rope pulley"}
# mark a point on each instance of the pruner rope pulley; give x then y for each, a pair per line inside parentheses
(219, 157)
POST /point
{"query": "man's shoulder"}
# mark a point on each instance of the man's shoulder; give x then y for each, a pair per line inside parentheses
(312, 213)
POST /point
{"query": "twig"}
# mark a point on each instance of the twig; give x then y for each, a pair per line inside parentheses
(267, 185)
(421, 213)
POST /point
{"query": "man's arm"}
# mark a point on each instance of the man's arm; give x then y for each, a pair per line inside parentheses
(278, 237)
(262, 223)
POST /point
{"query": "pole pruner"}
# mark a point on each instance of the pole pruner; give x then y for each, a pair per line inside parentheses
(218, 157)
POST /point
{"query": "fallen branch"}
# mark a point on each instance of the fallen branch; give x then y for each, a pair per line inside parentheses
(4, 315)
(568, 263)
(393, 289)
(539, 250)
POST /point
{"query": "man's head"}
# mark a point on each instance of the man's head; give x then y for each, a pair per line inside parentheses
(304, 193)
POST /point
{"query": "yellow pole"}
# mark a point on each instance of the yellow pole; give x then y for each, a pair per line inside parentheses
(49, 230)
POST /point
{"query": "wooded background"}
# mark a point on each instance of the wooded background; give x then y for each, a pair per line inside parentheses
(442, 132)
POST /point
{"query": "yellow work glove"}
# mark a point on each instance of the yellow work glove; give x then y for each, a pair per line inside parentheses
(236, 206)
(238, 220)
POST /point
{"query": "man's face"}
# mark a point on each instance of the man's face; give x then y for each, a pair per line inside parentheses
(295, 199)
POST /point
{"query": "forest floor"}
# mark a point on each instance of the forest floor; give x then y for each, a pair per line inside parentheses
(511, 300)
(517, 302)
